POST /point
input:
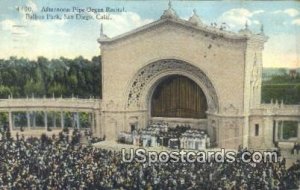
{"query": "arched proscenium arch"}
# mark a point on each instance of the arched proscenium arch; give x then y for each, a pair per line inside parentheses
(145, 81)
(160, 81)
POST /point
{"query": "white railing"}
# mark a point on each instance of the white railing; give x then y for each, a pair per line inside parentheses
(277, 109)
(69, 103)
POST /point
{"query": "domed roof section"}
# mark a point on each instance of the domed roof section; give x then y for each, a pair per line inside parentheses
(169, 13)
(195, 19)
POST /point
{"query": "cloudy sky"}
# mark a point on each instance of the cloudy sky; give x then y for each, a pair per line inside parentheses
(70, 38)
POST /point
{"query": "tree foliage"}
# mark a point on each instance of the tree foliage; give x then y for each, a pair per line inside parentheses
(21, 77)
(282, 87)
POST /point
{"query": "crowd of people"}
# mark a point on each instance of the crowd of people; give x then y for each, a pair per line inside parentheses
(62, 163)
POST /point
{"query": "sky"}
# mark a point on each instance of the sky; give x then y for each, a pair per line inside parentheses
(22, 37)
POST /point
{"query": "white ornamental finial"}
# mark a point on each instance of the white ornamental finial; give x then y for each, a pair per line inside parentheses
(195, 11)
(262, 33)
(101, 29)
(169, 13)
(102, 35)
(170, 4)
(246, 30)
(194, 19)
(262, 29)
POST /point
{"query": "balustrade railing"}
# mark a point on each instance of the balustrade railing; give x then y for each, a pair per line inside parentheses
(50, 102)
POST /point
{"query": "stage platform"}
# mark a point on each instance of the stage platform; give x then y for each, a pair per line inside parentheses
(113, 145)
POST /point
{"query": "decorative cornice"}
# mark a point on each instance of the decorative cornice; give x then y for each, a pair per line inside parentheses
(201, 28)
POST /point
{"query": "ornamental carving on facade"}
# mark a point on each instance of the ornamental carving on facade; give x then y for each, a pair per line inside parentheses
(149, 72)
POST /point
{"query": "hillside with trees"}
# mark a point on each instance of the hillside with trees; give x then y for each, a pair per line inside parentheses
(281, 84)
(64, 77)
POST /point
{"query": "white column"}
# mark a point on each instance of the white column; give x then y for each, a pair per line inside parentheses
(28, 120)
(276, 130)
(298, 131)
(266, 130)
(98, 125)
(13, 120)
(54, 120)
(93, 128)
(34, 119)
(73, 120)
(62, 120)
(45, 120)
(92, 121)
(10, 121)
(77, 120)
(245, 132)
(281, 131)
